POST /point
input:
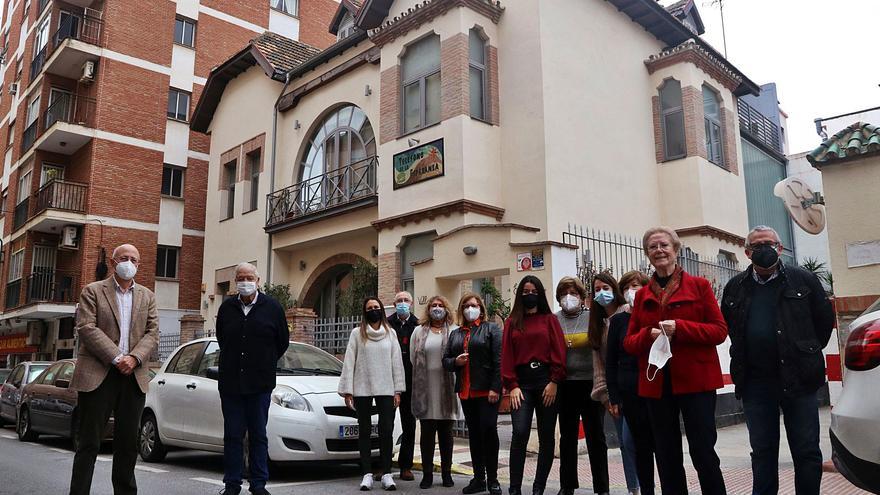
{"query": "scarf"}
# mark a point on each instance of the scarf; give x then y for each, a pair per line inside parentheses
(376, 335)
(664, 293)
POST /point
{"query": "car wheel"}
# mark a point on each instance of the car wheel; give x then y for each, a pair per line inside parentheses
(149, 444)
(24, 429)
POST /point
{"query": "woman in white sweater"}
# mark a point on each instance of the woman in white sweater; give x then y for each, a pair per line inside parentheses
(373, 371)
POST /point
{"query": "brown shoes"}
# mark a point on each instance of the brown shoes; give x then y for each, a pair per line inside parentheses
(407, 475)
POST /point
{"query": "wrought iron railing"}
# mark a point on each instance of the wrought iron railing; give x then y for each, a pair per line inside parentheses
(336, 188)
(29, 136)
(13, 294)
(71, 109)
(51, 286)
(331, 334)
(61, 195)
(20, 215)
(755, 124)
(167, 344)
(37, 62)
(87, 29)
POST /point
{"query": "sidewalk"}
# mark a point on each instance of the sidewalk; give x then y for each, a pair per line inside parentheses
(732, 448)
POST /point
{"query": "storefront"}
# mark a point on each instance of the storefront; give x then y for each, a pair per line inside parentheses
(14, 349)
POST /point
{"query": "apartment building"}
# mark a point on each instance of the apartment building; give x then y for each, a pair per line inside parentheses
(95, 102)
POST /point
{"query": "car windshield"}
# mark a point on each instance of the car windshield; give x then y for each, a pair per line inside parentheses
(308, 360)
(35, 370)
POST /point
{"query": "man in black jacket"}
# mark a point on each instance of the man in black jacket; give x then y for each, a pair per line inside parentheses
(404, 322)
(779, 319)
(252, 333)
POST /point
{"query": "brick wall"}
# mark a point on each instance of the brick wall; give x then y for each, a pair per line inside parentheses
(198, 141)
(126, 182)
(189, 272)
(256, 12)
(314, 22)
(147, 35)
(454, 89)
(143, 95)
(95, 236)
(195, 186)
(494, 94)
(217, 40)
(389, 104)
(389, 276)
(728, 129)
(694, 130)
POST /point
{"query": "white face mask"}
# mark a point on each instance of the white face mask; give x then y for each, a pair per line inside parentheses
(246, 288)
(570, 303)
(471, 313)
(126, 270)
(438, 313)
(659, 355)
(630, 296)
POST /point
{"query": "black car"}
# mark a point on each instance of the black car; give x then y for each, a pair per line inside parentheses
(10, 390)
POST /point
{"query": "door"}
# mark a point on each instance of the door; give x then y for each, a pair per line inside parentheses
(42, 283)
(173, 393)
(203, 424)
(37, 398)
(68, 26)
(51, 172)
(57, 408)
(53, 196)
(10, 392)
(59, 108)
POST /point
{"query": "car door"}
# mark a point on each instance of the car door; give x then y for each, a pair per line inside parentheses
(10, 393)
(204, 423)
(36, 397)
(60, 401)
(172, 394)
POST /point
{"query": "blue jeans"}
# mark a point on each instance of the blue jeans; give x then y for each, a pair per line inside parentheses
(628, 452)
(762, 401)
(245, 412)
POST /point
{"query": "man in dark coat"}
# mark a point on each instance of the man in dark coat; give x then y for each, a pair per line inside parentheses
(404, 322)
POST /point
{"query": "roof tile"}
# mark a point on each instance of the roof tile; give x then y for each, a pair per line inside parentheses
(283, 53)
(857, 140)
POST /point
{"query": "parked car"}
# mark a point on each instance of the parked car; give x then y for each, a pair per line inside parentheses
(4, 373)
(48, 406)
(855, 420)
(10, 390)
(308, 420)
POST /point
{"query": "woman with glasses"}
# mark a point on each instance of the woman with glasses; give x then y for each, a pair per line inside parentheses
(532, 366)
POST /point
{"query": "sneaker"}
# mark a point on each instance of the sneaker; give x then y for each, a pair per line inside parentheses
(494, 488)
(388, 482)
(367, 483)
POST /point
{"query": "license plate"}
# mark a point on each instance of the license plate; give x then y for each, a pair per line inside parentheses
(352, 431)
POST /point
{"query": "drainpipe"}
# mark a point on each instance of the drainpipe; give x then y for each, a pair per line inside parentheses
(272, 171)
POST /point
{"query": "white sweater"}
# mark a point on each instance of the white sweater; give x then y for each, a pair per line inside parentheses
(372, 367)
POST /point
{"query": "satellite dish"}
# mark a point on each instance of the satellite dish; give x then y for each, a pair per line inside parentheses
(806, 208)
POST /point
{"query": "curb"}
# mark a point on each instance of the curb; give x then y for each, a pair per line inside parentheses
(460, 469)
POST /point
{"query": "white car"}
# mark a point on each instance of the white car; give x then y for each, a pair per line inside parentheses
(855, 420)
(308, 420)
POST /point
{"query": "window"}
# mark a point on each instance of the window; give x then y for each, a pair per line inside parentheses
(10, 134)
(229, 189)
(65, 328)
(24, 187)
(253, 171)
(477, 59)
(172, 181)
(672, 120)
(184, 31)
(415, 248)
(420, 68)
(178, 105)
(211, 358)
(184, 360)
(41, 37)
(48, 377)
(16, 261)
(346, 27)
(344, 137)
(289, 7)
(712, 120)
(166, 261)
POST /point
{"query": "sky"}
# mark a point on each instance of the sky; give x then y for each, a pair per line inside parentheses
(823, 55)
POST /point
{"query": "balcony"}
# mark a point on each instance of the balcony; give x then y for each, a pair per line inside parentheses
(37, 63)
(45, 286)
(56, 204)
(21, 214)
(757, 126)
(77, 40)
(65, 127)
(335, 192)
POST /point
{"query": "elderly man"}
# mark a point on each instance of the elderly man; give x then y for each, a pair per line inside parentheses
(404, 322)
(779, 319)
(118, 327)
(252, 334)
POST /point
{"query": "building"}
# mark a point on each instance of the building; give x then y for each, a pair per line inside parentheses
(94, 105)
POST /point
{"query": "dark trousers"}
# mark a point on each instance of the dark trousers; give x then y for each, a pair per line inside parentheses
(762, 401)
(636, 414)
(245, 413)
(698, 413)
(521, 419)
(408, 438)
(118, 394)
(482, 424)
(575, 407)
(441, 429)
(364, 406)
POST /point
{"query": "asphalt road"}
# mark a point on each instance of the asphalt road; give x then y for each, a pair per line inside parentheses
(43, 467)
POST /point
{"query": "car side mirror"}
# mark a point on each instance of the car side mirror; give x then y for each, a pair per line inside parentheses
(212, 372)
(60, 383)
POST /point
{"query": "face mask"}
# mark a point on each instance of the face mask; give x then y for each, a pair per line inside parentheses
(660, 353)
(630, 296)
(374, 315)
(471, 313)
(604, 297)
(765, 256)
(530, 301)
(438, 313)
(246, 288)
(126, 270)
(570, 303)
(402, 309)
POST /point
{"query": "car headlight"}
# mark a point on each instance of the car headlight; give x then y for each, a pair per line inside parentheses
(289, 398)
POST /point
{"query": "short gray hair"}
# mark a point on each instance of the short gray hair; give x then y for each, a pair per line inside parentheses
(673, 236)
(245, 265)
(761, 228)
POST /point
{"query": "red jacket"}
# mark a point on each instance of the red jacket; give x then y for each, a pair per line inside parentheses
(699, 328)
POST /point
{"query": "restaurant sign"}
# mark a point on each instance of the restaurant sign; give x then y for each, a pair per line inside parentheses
(417, 164)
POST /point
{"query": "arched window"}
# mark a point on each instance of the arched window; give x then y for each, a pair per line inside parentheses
(343, 138)
(672, 120)
(712, 120)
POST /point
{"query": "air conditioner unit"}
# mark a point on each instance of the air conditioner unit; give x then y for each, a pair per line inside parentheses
(13, 88)
(88, 71)
(69, 237)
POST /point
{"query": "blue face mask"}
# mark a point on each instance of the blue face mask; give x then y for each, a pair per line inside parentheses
(402, 309)
(604, 297)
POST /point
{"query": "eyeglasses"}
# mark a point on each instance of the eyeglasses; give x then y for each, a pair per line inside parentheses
(123, 259)
(659, 246)
(773, 245)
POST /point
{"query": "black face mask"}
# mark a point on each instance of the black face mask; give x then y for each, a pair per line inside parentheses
(530, 301)
(374, 315)
(765, 256)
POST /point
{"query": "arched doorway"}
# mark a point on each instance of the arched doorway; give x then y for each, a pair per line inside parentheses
(321, 290)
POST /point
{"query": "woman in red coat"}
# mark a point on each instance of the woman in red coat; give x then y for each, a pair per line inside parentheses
(681, 308)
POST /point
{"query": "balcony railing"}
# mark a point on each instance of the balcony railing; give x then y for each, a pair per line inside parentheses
(87, 29)
(346, 186)
(13, 294)
(20, 216)
(29, 136)
(756, 125)
(68, 108)
(51, 286)
(37, 62)
(61, 195)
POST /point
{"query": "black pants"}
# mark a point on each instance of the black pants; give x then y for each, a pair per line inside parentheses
(385, 405)
(636, 414)
(698, 413)
(482, 424)
(442, 430)
(118, 394)
(245, 413)
(408, 438)
(576, 406)
(532, 404)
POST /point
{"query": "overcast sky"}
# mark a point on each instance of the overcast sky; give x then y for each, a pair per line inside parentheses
(822, 55)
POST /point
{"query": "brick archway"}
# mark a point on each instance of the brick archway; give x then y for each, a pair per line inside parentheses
(312, 288)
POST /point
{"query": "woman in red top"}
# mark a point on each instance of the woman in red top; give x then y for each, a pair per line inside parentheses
(532, 364)
(683, 307)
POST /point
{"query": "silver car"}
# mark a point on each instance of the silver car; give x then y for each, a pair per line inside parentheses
(10, 390)
(855, 420)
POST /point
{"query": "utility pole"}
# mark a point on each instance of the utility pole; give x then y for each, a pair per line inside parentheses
(720, 4)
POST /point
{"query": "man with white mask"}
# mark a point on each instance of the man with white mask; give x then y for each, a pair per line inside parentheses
(252, 333)
(118, 327)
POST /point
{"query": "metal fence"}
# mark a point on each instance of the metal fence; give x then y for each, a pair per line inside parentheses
(600, 251)
(167, 344)
(331, 334)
